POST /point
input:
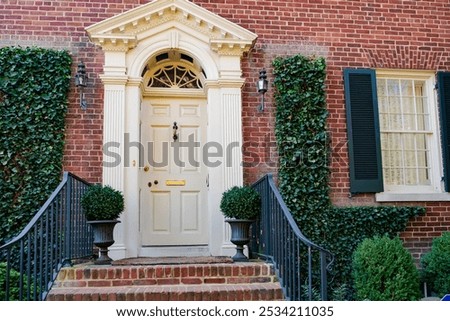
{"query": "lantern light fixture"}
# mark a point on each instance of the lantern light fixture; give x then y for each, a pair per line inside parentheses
(262, 86)
(81, 82)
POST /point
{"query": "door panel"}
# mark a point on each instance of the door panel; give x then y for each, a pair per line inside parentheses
(190, 157)
(158, 156)
(173, 181)
(161, 222)
(190, 211)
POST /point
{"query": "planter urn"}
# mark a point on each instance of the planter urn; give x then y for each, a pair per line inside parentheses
(103, 238)
(240, 236)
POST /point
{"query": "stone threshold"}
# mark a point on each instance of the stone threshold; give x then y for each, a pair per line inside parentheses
(172, 260)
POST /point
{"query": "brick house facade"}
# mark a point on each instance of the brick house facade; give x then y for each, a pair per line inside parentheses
(390, 37)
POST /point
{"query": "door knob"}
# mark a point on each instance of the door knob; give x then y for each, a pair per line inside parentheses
(149, 184)
(155, 182)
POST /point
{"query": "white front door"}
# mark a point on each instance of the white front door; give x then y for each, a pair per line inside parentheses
(173, 180)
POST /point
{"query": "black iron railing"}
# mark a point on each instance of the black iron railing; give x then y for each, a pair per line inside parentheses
(301, 265)
(56, 235)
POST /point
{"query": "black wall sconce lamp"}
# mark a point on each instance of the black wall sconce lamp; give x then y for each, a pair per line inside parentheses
(81, 82)
(262, 85)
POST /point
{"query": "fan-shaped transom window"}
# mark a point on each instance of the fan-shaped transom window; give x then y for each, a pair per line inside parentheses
(175, 76)
(173, 69)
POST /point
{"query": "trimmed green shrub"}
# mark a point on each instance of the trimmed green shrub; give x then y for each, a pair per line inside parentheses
(102, 203)
(436, 265)
(34, 84)
(241, 202)
(384, 271)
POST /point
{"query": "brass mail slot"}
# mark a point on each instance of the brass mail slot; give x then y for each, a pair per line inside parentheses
(180, 182)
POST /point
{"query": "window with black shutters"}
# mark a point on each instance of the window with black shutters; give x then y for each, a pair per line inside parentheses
(397, 135)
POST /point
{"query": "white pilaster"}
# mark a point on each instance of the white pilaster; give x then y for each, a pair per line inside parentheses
(113, 134)
(225, 102)
(113, 128)
(131, 163)
(215, 136)
(232, 172)
(232, 137)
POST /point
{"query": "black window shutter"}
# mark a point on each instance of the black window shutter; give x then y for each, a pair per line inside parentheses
(443, 79)
(363, 131)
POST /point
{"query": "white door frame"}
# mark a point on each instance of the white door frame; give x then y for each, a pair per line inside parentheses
(129, 40)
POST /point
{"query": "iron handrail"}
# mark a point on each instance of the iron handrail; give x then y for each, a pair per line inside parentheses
(278, 238)
(57, 234)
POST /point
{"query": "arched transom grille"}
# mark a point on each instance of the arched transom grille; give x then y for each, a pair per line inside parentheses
(175, 75)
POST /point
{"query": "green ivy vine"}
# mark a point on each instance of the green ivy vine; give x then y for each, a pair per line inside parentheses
(302, 139)
(34, 84)
(304, 148)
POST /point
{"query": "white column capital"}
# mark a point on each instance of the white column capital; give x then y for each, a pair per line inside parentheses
(135, 82)
(225, 83)
(114, 80)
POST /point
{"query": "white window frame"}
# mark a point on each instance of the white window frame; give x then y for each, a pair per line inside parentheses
(434, 191)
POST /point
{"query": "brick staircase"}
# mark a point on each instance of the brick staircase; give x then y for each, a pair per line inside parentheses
(250, 281)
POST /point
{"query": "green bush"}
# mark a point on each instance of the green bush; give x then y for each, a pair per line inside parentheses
(436, 265)
(384, 271)
(102, 203)
(14, 281)
(241, 202)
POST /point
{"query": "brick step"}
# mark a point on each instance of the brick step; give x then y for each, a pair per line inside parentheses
(221, 281)
(204, 292)
(114, 276)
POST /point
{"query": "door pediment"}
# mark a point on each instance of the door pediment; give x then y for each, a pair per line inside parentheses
(124, 31)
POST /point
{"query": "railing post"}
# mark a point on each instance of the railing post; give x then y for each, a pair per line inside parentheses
(67, 261)
(267, 217)
(8, 271)
(323, 276)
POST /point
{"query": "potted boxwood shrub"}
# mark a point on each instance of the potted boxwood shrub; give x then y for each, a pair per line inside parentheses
(102, 206)
(241, 205)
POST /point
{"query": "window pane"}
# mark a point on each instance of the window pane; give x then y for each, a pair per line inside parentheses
(406, 88)
(409, 159)
(393, 87)
(422, 160)
(395, 112)
(384, 115)
(392, 158)
(421, 106)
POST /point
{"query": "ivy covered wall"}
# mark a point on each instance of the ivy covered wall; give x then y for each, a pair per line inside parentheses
(303, 145)
(34, 85)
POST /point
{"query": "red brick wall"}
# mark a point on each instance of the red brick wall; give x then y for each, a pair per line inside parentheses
(373, 33)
